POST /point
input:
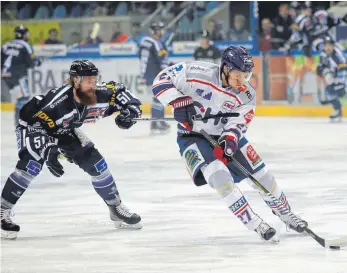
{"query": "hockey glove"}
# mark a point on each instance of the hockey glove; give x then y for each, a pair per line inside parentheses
(227, 147)
(50, 153)
(184, 111)
(125, 119)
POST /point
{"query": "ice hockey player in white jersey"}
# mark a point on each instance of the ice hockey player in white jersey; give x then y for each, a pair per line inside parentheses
(201, 89)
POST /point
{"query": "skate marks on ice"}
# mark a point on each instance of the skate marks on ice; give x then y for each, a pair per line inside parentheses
(66, 227)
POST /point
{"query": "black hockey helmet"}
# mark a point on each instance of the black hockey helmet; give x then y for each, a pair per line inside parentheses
(329, 40)
(204, 35)
(20, 31)
(83, 68)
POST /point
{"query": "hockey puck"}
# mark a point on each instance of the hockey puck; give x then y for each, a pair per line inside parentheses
(335, 247)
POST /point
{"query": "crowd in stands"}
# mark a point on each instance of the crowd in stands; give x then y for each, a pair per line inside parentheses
(273, 32)
(59, 10)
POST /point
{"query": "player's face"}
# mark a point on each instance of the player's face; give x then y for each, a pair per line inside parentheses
(329, 48)
(86, 92)
(159, 33)
(26, 36)
(236, 79)
(308, 12)
(204, 43)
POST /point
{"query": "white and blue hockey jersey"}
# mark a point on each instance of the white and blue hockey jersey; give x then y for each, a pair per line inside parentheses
(201, 81)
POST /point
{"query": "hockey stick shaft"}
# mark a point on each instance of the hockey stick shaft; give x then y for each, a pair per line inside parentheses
(325, 243)
(222, 115)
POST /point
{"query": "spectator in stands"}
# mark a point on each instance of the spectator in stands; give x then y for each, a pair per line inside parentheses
(118, 36)
(10, 11)
(239, 32)
(266, 35)
(215, 30)
(75, 38)
(207, 52)
(282, 24)
(53, 38)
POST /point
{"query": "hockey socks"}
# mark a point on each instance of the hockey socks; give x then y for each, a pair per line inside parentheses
(15, 186)
(105, 186)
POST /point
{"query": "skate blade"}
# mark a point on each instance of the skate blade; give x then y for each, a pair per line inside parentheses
(122, 225)
(11, 235)
(155, 132)
(274, 239)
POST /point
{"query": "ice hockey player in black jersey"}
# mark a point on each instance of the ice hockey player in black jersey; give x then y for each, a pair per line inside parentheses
(17, 57)
(207, 52)
(49, 128)
(332, 68)
(310, 28)
(153, 58)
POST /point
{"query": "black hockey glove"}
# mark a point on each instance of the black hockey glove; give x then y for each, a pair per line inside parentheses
(125, 119)
(50, 153)
(184, 111)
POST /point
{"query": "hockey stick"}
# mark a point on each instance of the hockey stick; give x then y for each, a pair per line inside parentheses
(222, 115)
(332, 244)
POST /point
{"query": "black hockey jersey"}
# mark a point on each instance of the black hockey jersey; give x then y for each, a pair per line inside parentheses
(308, 28)
(333, 63)
(58, 113)
(17, 57)
(153, 58)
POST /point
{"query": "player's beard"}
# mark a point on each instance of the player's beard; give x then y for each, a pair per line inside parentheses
(86, 98)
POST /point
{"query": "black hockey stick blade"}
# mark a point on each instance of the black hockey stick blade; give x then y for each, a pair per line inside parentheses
(328, 243)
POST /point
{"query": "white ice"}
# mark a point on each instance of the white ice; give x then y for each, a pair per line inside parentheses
(65, 225)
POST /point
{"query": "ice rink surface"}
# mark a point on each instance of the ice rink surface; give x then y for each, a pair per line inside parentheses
(65, 226)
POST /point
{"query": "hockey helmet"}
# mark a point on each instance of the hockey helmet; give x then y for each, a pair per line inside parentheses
(20, 32)
(237, 58)
(83, 68)
(329, 40)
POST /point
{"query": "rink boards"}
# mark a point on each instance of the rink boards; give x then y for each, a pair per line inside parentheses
(261, 110)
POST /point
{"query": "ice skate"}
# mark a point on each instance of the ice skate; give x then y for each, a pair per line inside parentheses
(266, 232)
(123, 218)
(9, 230)
(336, 116)
(292, 221)
(159, 127)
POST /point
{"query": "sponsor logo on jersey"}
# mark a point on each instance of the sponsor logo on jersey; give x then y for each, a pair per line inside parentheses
(192, 159)
(96, 112)
(229, 105)
(249, 116)
(249, 95)
(62, 131)
(66, 122)
(113, 99)
(239, 204)
(42, 115)
(200, 92)
(252, 155)
(58, 101)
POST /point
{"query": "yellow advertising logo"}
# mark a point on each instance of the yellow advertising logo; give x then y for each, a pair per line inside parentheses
(42, 115)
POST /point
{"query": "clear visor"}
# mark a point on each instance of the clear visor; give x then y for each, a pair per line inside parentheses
(248, 76)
